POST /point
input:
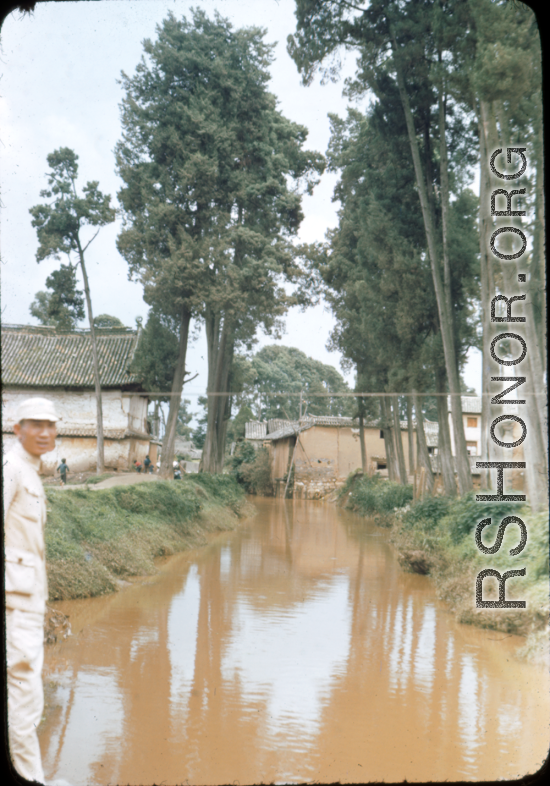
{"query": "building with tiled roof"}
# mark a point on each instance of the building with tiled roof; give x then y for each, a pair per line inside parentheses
(40, 361)
(326, 449)
(322, 450)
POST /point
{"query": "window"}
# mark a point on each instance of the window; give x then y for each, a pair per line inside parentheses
(471, 422)
(472, 448)
(380, 465)
(381, 434)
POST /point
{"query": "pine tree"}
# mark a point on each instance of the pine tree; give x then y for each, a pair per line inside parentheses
(59, 224)
(206, 158)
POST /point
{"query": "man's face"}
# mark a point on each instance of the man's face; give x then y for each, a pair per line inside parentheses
(36, 436)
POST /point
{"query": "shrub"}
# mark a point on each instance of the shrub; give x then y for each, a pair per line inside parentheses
(372, 494)
(252, 469)
(465, 512)
(427, 513)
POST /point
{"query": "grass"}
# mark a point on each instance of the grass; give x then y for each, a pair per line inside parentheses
(371, 495)
(96, 537)
(435, 535)
(98, 478)
(445, 539)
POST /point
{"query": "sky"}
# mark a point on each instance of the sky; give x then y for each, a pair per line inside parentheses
(60, 67)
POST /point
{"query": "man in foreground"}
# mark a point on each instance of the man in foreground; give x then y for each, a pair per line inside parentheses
(26, 584)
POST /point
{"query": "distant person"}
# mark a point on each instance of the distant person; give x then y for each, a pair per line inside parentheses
(26, 581)
(137, 465)
(63, 469)
(146, 463)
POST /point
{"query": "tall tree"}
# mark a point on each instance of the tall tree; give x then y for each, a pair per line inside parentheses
(279, 380)
(505, 79)
(63, 305)
(155, 360)
(402, 41)
(59, 226)
(376, 271)
(107, 321)
(208, 161)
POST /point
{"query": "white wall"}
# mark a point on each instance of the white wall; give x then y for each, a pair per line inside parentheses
(135, 408)
(78, 408)
(81, 453)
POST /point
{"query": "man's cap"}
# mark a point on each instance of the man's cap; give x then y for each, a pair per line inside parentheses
(36, 409)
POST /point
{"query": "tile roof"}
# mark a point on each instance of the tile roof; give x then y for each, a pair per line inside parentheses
(470, 404)
(90, 431)
(287, 428)
(42, 357)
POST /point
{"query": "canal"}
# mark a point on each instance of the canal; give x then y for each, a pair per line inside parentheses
(295, 649)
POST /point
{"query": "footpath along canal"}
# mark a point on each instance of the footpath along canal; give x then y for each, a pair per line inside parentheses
(295, 649)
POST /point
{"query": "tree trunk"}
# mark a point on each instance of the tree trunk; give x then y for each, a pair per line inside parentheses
(410, 435)
(156, 420)
(393, 472)
(445, 318)
(362, 444)
(423, 455)
(220, 357)
(401, 466)
(487, 289)
(536, 469)
(166, 470)
(444, 179)
(446, 462)
(536, 448)
(100, 467)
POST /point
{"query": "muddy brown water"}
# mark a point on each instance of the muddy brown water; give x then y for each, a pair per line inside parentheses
(292, 650)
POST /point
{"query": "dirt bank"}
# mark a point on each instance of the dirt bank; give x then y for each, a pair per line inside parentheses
(97, 538)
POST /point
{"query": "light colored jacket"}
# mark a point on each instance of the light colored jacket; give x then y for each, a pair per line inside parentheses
(24, 522)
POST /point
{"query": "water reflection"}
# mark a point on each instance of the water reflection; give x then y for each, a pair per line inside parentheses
(183, 619)
(289, 660)
(294, 650)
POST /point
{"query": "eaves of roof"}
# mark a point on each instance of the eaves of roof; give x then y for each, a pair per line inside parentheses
(91, 431)
(32, 358)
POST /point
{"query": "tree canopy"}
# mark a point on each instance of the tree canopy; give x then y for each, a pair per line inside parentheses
(60, 225)
(212, 175)
(63, 305)
(276, 378)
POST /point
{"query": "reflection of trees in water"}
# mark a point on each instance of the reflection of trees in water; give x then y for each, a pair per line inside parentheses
(397, 673)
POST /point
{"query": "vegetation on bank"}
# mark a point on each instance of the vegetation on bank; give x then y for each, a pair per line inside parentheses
(435, 536)
(371, 495)
(252, 470)
(95, 538)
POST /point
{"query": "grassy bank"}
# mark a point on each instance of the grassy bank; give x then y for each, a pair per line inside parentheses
(435, 536)
(96, 537)
(371, 495)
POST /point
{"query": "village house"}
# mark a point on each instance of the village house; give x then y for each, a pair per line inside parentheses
(327, 449)
(39, 361)
(323, 452)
